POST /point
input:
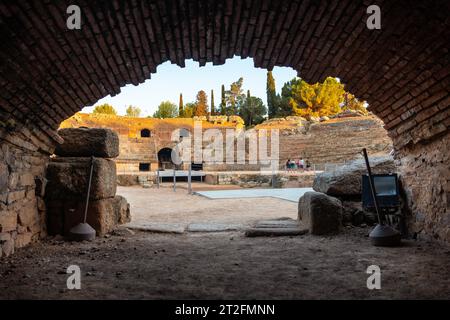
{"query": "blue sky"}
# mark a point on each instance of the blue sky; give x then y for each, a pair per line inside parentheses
(171, 80)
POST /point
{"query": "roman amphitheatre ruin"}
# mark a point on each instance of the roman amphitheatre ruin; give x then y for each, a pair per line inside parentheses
(157, 240)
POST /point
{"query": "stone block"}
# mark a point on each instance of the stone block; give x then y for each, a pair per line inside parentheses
(103, 215)
(127, 180)
(15, 196)
(86, 142)
(69, 177)
(26, 179)
(8, 247)
(211, 179)
(347, 181)
(4, 236)
(28, 215)
(320, 213)
(13, 180)
(8, 221)
(23, 240)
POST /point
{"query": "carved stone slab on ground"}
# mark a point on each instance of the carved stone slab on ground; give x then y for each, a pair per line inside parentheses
(276, 228)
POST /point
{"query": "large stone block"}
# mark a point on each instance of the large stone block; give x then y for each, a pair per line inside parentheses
(103, 215)
(346, 180)
(69, 177)
(8, 221)
(320, 213)
(86, 142)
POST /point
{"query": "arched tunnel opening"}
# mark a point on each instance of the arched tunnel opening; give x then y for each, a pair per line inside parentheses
(48, 73)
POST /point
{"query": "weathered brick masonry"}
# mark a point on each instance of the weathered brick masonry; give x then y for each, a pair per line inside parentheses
(47, 73)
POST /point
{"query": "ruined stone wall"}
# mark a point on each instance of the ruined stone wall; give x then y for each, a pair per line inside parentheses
(135, 149)
(333, 141)
(425, 175)
(22, 183)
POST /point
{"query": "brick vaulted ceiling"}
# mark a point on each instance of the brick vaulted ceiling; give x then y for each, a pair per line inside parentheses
(48, 73)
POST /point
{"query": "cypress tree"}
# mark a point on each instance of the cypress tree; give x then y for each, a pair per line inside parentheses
(213, 111)
(271, 96)
(180, 106)
(223, 103)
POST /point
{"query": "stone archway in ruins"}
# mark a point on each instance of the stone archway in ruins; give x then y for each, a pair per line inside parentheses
(48, 73)
(165, 159)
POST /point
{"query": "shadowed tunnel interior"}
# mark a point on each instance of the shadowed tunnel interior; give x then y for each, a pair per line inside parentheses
(48, 73)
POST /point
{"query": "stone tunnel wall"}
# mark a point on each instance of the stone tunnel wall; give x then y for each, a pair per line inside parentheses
(22, 185)
(425, 174)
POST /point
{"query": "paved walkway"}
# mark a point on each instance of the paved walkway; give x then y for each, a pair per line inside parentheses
(289, 194)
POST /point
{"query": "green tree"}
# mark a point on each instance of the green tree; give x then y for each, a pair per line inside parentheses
(319, 99)
(133, 112)
(213, 108)
(272, 98)
(105, 109)
(234, 96)
(253, 110)
(166, 109)
(286, 96)
(180, 106)
(201, 104)
(189, 109)
(223, 102)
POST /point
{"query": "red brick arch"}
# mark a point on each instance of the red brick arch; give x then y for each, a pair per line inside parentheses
(48, 73)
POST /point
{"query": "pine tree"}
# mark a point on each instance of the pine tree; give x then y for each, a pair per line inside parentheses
(319, 99)
(253, 110)
(213, 111)
(223, 102)
(272, 102)
(180, 107)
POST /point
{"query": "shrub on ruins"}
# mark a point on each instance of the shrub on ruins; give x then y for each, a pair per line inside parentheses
(352, 103)
(105, 109)
(133, 112)
(166, 109)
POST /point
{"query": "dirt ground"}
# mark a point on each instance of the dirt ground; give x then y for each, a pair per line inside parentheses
(224, 265)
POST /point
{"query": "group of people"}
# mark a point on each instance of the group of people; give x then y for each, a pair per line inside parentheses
(298, 164)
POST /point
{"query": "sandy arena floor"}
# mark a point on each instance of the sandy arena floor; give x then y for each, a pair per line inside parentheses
(165, 206)
(223, 265)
